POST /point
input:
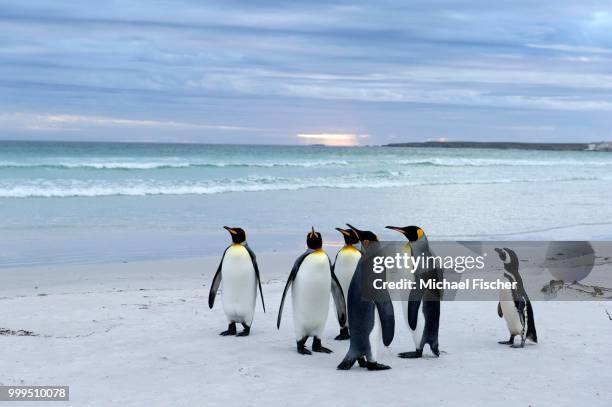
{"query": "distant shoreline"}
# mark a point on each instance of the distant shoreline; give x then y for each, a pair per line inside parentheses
(605, 146)
(601, 146)
(506, 145)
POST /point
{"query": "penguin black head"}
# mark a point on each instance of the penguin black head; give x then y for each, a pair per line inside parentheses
(365, 236)
(238, 234)
(412, 233)
(511, 262)
(314, 240)
(350, 236)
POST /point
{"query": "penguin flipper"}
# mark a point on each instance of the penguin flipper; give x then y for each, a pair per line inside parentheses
(215, 283)
(294, 270)
(531, 329)
(280, 309)
(254, 260)
(414, 303)
(387, 320)
(520, 307)
(525, 305)
(338, 296)
(499, 310)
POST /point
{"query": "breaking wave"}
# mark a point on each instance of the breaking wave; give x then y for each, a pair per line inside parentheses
(406, 162)
(490, 162)
(168, 165)
(134, 187)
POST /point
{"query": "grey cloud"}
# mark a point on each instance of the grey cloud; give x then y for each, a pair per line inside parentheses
(366, 67)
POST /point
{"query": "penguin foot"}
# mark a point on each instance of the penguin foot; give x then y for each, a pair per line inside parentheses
(317, 347)
(362, 362)
(508, 342)
(231, 330)
(301, 347)
(377, 366)
(411, 355)
(343, 335)
(245, 332)
(435, 350)
(522, 345)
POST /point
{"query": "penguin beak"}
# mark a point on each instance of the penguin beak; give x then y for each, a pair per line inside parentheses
(396, 228)
(232, 231)
(364, 243)
(355, 230)
(312, 232)
(343, 231)
(353, 227)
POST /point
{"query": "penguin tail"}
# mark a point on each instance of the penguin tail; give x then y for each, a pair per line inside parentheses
(349, 360)
(347, 363)
(533, 336)
(434, 348)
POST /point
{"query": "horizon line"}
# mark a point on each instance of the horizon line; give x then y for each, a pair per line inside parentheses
(394, 144)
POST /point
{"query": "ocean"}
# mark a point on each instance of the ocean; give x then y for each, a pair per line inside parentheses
(63, 202)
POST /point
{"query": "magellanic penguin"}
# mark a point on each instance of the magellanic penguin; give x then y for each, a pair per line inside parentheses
(240, 274)
(514, 305)
(369, 321)
(422, 311)
(311, 280)
(344, 268)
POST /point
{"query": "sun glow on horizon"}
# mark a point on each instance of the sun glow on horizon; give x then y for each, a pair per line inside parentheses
(332, 139)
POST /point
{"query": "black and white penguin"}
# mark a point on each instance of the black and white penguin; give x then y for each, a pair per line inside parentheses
(514, 305)
(422, 310)
(311, 280)
(369, 321)
(344, 268)
(240, 274)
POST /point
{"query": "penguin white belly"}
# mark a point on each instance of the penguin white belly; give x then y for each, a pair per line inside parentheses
(344, 268)
(417, 333)
(310, 294)
(375, 338)
(511, 314)
(239, 285)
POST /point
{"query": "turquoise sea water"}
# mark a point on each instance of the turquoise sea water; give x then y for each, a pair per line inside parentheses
(88, 202)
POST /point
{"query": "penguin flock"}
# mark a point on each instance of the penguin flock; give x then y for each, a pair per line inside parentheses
(366, 323)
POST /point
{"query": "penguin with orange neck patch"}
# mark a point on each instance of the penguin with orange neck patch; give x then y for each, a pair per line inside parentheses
(312, 280)
(240, 274)
(370, 321)
(344, 268)
(422, 311)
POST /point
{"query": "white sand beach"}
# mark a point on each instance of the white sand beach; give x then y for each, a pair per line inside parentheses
(141, 334)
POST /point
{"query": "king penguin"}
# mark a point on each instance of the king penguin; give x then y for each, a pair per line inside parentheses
(344, 268)
(514, 305)
(422, 311)
(369, 321)
(240, 274)
(311, 280)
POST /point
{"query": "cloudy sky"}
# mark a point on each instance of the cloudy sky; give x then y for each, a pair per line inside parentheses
(265, 71)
